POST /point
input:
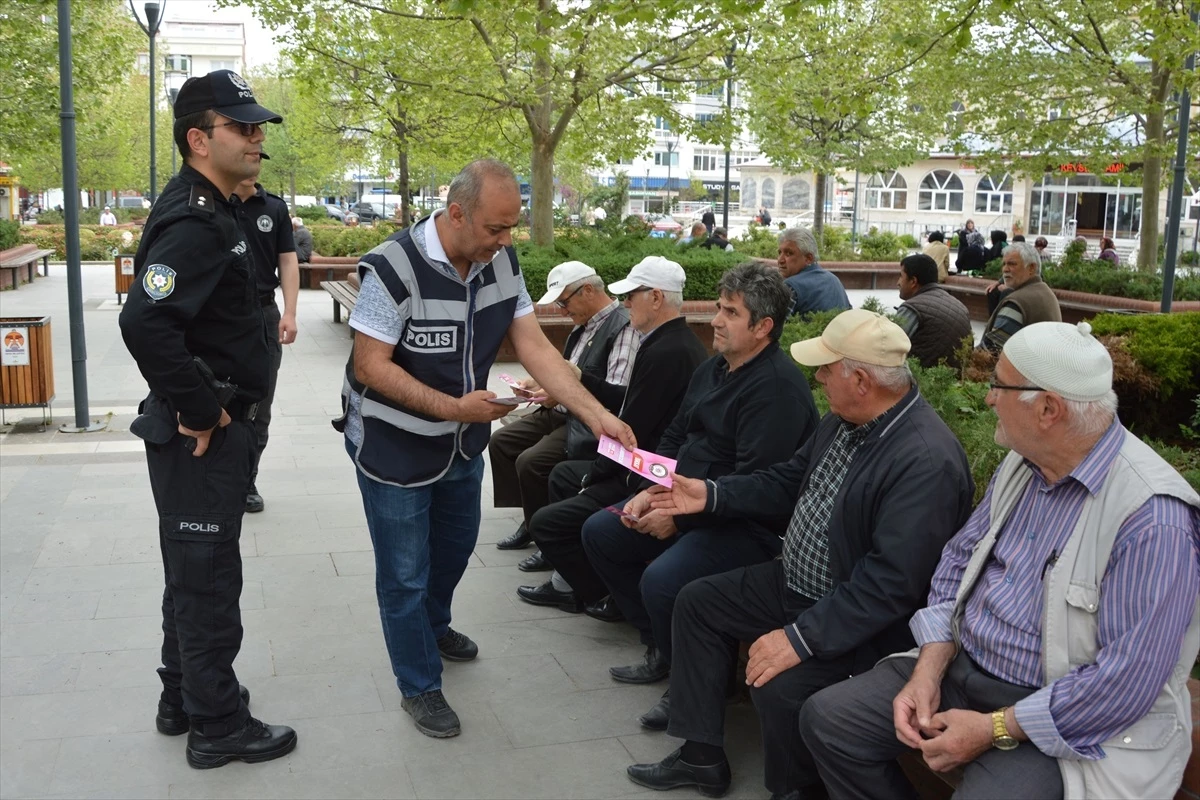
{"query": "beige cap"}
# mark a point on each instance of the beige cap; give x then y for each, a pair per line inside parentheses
(561, 277)
(859, 335)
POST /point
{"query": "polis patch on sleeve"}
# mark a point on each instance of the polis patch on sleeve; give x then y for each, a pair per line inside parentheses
(159, 281)
(431, 338)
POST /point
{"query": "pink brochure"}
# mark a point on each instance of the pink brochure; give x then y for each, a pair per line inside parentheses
(649, 465)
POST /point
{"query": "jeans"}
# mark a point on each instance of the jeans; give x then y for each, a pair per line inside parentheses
(423, 538)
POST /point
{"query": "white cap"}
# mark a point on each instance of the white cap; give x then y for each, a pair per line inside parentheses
(1062, 358)
(654, 272)
(562, 276)
(297, 222)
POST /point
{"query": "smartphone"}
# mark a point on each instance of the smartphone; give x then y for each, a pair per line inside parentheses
(620, 512)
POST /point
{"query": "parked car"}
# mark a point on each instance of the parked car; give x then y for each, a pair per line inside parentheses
(335, 213)
(368, 212)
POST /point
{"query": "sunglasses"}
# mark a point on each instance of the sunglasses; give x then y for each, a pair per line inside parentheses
(246, 129)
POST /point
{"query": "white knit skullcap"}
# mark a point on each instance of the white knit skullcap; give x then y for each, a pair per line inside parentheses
(1062, 358)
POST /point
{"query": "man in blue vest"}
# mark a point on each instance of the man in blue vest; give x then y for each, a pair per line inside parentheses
(437, 300)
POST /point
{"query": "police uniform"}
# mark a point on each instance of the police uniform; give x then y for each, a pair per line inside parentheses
(194, 324)
(268, 227)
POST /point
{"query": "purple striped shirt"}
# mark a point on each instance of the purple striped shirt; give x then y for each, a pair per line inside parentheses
(1147, 598)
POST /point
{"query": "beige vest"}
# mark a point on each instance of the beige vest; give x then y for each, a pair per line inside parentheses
(1146, 759)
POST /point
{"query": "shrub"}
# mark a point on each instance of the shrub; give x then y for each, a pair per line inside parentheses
(1189, 258)
(95, 243)
(877, 246)
(758, 242)
(311, 213)
(91, 216)
(613, 256)
(10, 233)
(338, 240)
(835, 245)
(1099, 277)
(907, 240)
(50, 217)
(1166, 345)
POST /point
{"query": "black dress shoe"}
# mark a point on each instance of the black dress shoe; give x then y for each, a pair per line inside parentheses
(455, 646)
(517, 540)
(535, 563)
(673, 772)
(432, 715)
(254, 501)
(604, 610)
(173, 721)
(547, 595)
(654, 668)
(253, 742)
(657, 718)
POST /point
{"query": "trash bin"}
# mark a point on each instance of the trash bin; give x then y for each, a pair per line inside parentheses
(123, 274)
(26, 363)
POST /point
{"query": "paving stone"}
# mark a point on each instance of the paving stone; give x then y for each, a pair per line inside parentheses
(28, 768)
(92, 713)
(87, 762)
(358, 562)
(39, 674)
(80, 636)
(303, 697)
(56, 607)
(256, 783)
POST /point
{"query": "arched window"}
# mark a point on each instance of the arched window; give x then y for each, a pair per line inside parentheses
(994, 195)
(941, 190)
(749, 193)
(768, 193)
(796, 195)
(887, 191)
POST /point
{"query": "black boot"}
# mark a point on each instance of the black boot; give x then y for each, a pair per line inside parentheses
(173, 721)
(254, 501)
(432, 715)
(255, 741)
(654, 668)
(517, 540)
(657, 718)
(673, 772)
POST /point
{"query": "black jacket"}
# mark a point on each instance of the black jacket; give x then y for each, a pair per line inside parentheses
(662, 369)
(195, 295)
(908, 490)
(733, 423)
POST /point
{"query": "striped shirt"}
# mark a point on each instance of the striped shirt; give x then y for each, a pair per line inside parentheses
(1147, 598)
(620, 357)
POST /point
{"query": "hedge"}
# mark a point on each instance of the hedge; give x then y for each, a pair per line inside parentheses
(1074, 273)
(961, 402)
(96, 242)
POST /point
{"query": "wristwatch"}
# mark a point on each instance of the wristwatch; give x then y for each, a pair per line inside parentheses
(1000, 738)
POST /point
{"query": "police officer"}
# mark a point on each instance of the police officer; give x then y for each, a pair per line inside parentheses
(195, 327)
(268, 227)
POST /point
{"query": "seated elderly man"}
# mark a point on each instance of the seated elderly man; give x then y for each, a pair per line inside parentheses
(872, 498)
(940, 253)
(1061, 624)
(935, 321)
(747, 408)
(1024, 298)
(666, 358)
(814, 289)
(602, 345)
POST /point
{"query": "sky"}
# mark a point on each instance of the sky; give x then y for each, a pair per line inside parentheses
(260, 48)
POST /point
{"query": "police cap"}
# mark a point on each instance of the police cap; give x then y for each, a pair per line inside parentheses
(226, 93)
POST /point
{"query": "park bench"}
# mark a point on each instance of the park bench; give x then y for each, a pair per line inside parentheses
(344, 294)
(23, 259)
(326, 268)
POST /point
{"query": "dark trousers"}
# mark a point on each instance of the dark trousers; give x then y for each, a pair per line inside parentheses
(522, 454)
(714, 614)
(645, 575)
(200, 502)
(557, 527)
(850, 731)
(262, 419)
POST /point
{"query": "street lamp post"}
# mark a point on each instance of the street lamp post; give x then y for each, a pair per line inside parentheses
(173, 82)
(670, 150)
(150, 26)
(729, 114)
(172, 94)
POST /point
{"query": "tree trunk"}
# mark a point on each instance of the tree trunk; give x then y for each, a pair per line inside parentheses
(541, 196)
(819, 207)
(402, 159)
(1152, 167)
(292, 186)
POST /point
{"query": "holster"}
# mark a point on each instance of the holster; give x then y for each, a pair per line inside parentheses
(155, 423)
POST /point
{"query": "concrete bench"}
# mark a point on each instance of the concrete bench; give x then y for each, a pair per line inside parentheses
(23, 260)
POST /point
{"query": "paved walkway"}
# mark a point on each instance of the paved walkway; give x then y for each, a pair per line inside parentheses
(81, 580)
